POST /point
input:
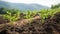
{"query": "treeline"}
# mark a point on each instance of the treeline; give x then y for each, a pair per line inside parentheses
(55, 6)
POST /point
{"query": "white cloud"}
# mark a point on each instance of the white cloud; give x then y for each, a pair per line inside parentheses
(42, 2)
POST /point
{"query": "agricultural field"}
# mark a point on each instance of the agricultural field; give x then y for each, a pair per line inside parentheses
(29, 16)
(44, 21)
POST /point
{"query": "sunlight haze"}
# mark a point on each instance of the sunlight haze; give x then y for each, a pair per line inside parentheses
(41, 2)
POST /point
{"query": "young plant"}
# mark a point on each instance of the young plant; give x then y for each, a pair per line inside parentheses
(11, 18)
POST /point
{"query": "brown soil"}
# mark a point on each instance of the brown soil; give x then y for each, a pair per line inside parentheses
(2, 20)
(51, 26)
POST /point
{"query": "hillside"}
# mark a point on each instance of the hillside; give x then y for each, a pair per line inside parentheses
(22, 6)
(30, 22)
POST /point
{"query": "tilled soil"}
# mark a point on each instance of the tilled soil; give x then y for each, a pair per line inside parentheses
(51, 25)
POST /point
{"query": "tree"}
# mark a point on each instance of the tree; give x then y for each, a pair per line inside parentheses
(55, 6)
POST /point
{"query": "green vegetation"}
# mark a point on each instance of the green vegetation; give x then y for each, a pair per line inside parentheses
(29, 14)
(13, 15)
(55, 6)
(48, 12)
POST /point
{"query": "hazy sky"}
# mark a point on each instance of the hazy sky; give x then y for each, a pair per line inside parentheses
(41, 2)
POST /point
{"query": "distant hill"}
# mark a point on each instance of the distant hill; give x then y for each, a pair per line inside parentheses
(22, 6)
